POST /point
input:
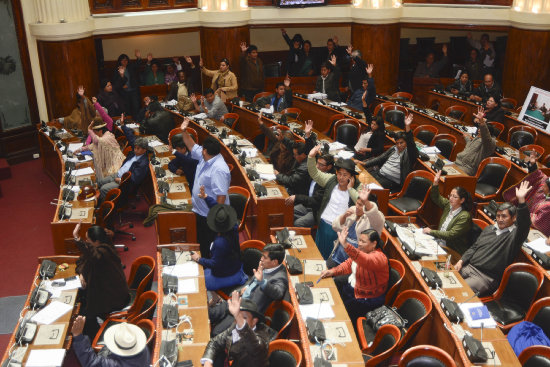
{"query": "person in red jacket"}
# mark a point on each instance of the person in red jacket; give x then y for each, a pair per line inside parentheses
(368, 270)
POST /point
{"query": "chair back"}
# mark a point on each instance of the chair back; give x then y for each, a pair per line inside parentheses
(413, 306)
(425, 133)
(493, 174)
(292, 112)
(397, 272)
(104, 214)
(539, 314)
(141, 275)
(535, 356)
(261, 95)
(521, 135)
(230, 119)
(446, 144)
(475, 230)
(148, 329)
(395, 117)
(251, 253)
(508, 103)
(284, 353)
(521, 284)
(239, 198)
(347, 134)
(384, 344)
(426, 356)
(279, 314)
(403, 96)
(379, 109)
(457, 112)
(530, 148)
(496, 128)
(144, 307)
(113, 195)
(418, 188)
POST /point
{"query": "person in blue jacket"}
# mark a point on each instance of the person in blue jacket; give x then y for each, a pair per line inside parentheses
(224, 268)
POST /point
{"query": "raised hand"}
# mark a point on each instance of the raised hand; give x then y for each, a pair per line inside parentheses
(137, 53)
(193, 98)
(364, 193)
(313, 152)
(436, 178)
(260, 121)
(122, 119)
(480, 115)
(184, 123)
(80, 90)
(94, 99)
(189, 60)
(444, 49)
(408, 120)
(259, 273)
(121, 70)
(283, 31)
(342, 236)
(287, 81)
(76, 230)
(308, 127)
(333, 60)
(335, 39)
(149, 57)
(243, 47)
(349, 49)
(369, 69)
(522, 191)
(234, 303)
(201, 63)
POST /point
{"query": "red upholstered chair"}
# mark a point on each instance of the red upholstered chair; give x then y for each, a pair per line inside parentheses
(513, 298)
(457, 112)
(527, 149)
(496, 127)
(149, 329)
(141, 276)
(425, 133)
(380, 107)
(239, 198)
(284, 353)
(279, 315)
(403, 96)
(535, 356)
(446, 143)
(347, 131)
(397, 273)
(292, 112)
(261, 95)
(508, 103)
(230, 119)
(490, 177)
(480, 223)
(384, 345)
(521, 135)
(414, 194)
(103, 214)
(412, 305)
(539, 314)
(426, 355)
(189, 130)
(395, 115)
(331, 122)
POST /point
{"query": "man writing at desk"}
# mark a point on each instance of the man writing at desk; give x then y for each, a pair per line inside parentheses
(212, 173)
(483, 264)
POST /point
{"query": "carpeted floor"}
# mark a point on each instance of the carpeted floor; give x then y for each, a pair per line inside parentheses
(25, 214)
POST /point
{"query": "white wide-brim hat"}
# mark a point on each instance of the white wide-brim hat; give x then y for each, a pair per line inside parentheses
(125, 339)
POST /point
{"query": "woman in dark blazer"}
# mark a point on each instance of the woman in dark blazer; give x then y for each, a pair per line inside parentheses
(374, 141)
(456, 220)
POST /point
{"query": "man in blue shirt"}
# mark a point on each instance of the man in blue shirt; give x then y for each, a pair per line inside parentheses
(212, 173)
(136, 162)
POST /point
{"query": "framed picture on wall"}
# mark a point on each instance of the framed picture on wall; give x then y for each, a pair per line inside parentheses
(536, 109)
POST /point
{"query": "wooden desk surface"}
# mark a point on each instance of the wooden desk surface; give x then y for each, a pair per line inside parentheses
(66, 337)
(437, 331)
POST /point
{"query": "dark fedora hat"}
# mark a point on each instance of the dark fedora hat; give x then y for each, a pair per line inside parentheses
(221, 218)
(346, 164)
(250, 306)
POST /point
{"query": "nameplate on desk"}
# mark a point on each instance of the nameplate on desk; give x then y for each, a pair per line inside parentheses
(452, 171)
(50, 334)
(177, 187)
(177, 202)
(80, 213)
(492, 356)
(322, 295)
(337, 332)
(254, 160)
(162, 149)
(299, 242)
(329, 354)
(164, 160)
(274, 192)
(314, 267)
(68, 297)
(450, 280)
(83, 180)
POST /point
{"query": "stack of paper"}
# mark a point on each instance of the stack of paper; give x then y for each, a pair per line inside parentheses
(344, 154)
(539, 245)
(317, 311)
(74, 146)
(487, 322)
(187, 269)
(336, 146)
(45, 358)
(430, 150)
(422, 244)
(83, 171)
(313, 96)
(51, 312)
(132, 126)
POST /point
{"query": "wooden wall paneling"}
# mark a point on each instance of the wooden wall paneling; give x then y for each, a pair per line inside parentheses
(527, 62)
(468, 2)
(65, 65)
(379, 44)
(117, 6)
(219, 43)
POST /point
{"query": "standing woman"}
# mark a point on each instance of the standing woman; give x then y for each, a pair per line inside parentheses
(224, 268)
(103, 282)
(456, 220)
(224, 82)
(108, 157)
(368, 270)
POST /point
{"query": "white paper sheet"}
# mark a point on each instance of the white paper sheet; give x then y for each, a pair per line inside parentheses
(187, 269)
(74, 146)
(188, 285)
(344, 154)
(51, 312)
(430, 150)
(538, 245)
(83, 171)
(317, 310)
(155, 143)
(45, 358)
(56, 290)
(250, 152)
(132, 126)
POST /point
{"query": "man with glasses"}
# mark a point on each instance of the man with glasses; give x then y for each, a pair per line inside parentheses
(489, 88)
(483, 264)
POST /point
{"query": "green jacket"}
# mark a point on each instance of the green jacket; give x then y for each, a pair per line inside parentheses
(328, 181)
(456, 235)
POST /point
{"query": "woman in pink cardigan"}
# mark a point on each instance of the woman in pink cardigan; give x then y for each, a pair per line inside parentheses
(368, 270)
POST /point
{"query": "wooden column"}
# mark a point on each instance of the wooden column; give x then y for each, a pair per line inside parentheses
(66, 65)
(219, 43)
(527, 63)
(379, 44)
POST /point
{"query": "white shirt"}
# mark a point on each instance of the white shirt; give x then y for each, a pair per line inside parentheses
(337, 205)
(498, 231)
(311, 187)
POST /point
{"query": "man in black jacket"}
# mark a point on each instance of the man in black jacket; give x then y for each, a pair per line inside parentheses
(245, 343)
(483, 264)
(306, 205)
(158, 122)
(397, 162)
(297, 180)
(489, 88)
(327, 82)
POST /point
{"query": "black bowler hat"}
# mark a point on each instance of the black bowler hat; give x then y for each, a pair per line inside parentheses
(221, 218)
(346, 164)
(250, 306)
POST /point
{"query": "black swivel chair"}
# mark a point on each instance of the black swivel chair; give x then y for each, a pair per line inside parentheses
(396, 118)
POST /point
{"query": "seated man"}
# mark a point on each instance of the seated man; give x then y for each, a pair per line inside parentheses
(397, 162)
(184, 86)
(478, 148)
(367, 92)
(297, 180)
(136, 162)
(328, 81)
(462, 86)
(126, 342)
(307, 205)
(487, 89)
(158, 122)
(211, 104)
(430, 68)
(182, 164)
(280, 100)
(245, 343)
(483, 264)
(269, 283)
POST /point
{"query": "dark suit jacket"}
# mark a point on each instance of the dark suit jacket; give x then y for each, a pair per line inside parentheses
(467, 88)
(160, 125)
(274, 289)
(297, 180)
(192, 82)
(140, 168)
(312, 202)
(332, 88)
